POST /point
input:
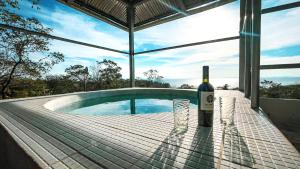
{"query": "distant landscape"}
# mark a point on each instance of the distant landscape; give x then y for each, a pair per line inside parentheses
(106, 75)
(273, 87)
(232, 82)
(103, 75)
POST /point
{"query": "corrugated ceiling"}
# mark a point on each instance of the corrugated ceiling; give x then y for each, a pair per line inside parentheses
(147, 12)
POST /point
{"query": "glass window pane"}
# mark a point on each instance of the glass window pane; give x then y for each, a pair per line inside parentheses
(284, 76)
(184, 65)
(70, 23)
(280, 42)
(86, 56)
(216, 23)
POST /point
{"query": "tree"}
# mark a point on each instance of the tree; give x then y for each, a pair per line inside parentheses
(271, 89)
(58, 84)
(22, 87)
(153, 76)
(110, 74)
(226, 87)
(23, 54)
(79, 73)
(95, 72)
(186, 86)
(95, 76)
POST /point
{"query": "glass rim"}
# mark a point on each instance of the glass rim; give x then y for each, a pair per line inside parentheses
(227, 97)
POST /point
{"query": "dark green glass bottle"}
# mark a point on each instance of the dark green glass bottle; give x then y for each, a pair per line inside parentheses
(205, 100)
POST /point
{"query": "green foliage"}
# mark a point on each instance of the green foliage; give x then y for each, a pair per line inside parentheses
(186, 86)
(109, 74)
(225, 87)
(27, 88)
(153, 80)
(152, 75)
(78, 73)
(17, 48)
(109, 77)
(277, 90)
(59, 84)
(147, 83)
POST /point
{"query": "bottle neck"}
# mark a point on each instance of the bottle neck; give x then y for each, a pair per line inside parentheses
(205, 80)
(205, 74)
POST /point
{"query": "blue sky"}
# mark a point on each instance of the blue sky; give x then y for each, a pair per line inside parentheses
(280, 40)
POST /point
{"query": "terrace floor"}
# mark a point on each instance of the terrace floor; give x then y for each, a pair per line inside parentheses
(59, 140)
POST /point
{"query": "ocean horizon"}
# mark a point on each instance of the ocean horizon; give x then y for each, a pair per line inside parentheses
(232, 82)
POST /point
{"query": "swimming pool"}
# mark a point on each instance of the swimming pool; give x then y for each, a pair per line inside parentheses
(121, 102)
(129, 104)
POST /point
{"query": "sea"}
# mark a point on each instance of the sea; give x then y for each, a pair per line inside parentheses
(232, 82)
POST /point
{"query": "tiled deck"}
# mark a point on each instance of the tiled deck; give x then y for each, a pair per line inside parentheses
(146, 141)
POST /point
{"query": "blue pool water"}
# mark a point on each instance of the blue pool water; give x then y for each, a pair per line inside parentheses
(125, 105)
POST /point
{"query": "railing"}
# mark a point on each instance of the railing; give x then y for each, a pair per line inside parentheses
(280, 66)
(250, 25)
(276, 9)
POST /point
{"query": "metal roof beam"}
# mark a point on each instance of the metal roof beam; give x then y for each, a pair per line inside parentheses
(131, 18)
(139, 2)
(172, 15)
(124, 1)
(199, 3)
(96, 13)
(181, 5)
(281, 7)
(154, 19)
(281, 66)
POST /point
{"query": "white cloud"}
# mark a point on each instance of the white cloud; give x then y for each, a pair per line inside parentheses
(60, 68)
(280, 29)
(74, 50)
(276, 33)
(191, 71)
(280, 73)
(216, 23)
(80, 28)
(187, 62)
(270, 60)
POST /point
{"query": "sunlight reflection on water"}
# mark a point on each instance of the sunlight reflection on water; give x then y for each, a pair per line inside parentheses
(122, 106)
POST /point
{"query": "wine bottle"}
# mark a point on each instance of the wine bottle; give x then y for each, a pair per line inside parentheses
(205, 100)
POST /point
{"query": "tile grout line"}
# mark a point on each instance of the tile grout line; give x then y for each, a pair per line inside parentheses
(221, 148)
(60, 141)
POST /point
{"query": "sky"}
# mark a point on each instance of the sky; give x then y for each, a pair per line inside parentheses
(280, 42)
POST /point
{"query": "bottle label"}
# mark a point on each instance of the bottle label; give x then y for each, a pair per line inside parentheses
(207, 100)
